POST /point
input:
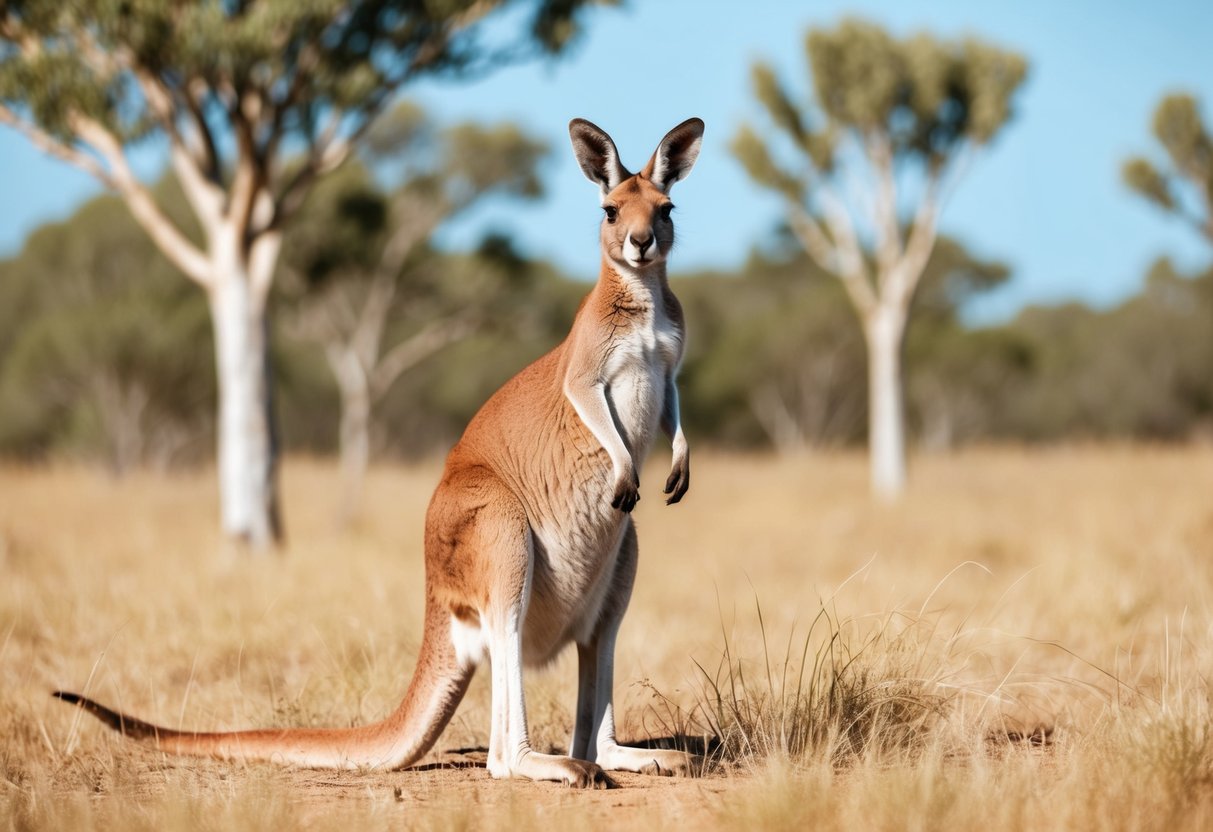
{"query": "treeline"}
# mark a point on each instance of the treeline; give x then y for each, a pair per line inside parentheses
(105, 354)
(776, 359)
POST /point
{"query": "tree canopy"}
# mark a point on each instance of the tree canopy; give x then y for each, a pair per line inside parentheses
(1184, 185)
(228, 83)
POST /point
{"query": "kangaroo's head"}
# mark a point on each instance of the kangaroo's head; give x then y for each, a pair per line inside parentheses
(637, 230)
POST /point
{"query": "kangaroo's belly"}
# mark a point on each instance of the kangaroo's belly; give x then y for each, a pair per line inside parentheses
(576, 546)
(577, 533)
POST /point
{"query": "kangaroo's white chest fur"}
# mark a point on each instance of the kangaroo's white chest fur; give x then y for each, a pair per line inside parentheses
(636, 375)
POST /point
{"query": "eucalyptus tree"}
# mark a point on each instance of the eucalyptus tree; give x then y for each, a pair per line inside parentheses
(862, 169)
(255, 100)
(1183, 186)
(360, 285)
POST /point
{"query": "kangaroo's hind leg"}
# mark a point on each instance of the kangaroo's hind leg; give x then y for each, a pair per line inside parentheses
(495, 563)
(594, 732)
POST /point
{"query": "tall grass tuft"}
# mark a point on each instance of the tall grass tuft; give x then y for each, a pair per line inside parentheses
(845, 689)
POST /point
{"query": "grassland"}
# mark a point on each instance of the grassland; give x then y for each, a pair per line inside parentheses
(1026, 641)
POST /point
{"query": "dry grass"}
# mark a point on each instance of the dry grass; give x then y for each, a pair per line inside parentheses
(1025, 641)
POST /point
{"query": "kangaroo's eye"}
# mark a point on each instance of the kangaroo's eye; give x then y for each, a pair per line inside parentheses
(666, 209)
(611, 212)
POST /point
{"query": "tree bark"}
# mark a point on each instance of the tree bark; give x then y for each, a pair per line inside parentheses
(883, 331)
(248, 448)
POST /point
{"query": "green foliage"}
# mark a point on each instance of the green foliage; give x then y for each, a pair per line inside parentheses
(1182, 133)
(951, 277)
(1141, 176)
(775, 358)
(784, 113)
(752, 152)
(924, 96)
(772, 357)
(481, 160)
(857, 73)
(339, 229)
(110, 358)
(964, 382)
(1186, 187)
(301, 60)
(1144, 368)
(928, 95)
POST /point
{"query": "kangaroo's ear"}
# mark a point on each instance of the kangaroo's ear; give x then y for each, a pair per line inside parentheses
(676, 155)
(597, 155)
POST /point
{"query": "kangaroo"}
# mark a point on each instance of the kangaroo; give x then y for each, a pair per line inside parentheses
(529, 540)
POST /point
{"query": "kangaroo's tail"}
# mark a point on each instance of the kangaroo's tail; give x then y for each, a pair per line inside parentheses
(438, 685)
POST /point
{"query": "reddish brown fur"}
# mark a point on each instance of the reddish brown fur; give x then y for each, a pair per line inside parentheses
(529, 527)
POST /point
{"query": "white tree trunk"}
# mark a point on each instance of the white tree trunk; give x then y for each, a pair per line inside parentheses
(355, 449)
(886, 413)
(121, 408)
(248, 453)
(355, 431)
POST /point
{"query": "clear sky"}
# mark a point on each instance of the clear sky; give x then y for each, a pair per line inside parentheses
(1046, 198)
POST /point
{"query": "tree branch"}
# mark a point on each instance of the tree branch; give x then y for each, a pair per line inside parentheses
(201, 189)
(372, 317)
(164, 233)
(308, 58)
(776, 418)
(249, 178)
(328, 151)
(903, 279)
(418, 223)
(351, 375)
(326, 154)
(205, 152)
(417, 348)
(884, 203)
(60, 150)
(262, 258)
(192, 157)
(812, 238)
(852, 269)
(323, 321)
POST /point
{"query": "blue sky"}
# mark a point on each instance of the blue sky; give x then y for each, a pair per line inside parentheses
(1046, 198)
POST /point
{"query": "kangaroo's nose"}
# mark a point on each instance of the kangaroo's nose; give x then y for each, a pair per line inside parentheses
(642, 244)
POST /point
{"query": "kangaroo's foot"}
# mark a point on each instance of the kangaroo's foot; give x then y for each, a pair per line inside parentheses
(662, 762)
(576, 773)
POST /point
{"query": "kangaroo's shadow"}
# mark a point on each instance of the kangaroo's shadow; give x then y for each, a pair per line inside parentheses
(476, 756)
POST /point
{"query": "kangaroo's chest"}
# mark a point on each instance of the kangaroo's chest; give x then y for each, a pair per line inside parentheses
(637, 372)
